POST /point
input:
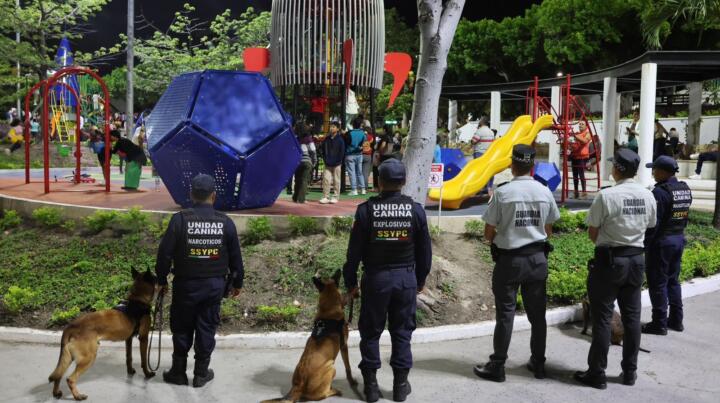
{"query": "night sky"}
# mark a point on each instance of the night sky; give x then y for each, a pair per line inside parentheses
(111, 21)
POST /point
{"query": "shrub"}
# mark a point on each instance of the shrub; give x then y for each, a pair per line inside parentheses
(435, 232)
(131, 221)
(474, 229)
(567, 267)
(48, 216)
(303, 225)
(230, 308)
(69, 225)
(447, 288)
(258, 230)
(100, 220)
(17, 299)
(569, 221)
(274, 313)
(331, 256)
(158, 229)
(340, 225)
(59, 317)
(700, 260)
(10, 219)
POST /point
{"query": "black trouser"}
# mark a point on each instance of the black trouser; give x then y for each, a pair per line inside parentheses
(578, 171)
(529, 274)
(658, 148)
(302, 179)
(195, 312)
(614, 277)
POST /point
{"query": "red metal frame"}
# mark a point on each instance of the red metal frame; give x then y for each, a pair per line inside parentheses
(46, 85)
(572, 109)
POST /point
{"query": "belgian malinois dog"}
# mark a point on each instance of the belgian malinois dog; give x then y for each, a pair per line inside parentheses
(81, 337)
(315, 372)
(617, 330)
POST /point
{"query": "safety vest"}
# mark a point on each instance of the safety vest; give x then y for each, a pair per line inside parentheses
(391, 231)
(202, 252)
(676, 221)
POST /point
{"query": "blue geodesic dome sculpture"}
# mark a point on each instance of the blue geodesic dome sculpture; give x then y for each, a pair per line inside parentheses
(226, 124)
(453, 161)
(547, 174)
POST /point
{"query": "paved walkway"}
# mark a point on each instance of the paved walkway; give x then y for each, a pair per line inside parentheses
(681, 367)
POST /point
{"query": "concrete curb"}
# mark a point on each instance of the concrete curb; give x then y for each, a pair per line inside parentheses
(554, 317)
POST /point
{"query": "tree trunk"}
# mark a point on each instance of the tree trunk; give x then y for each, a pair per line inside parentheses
(716, 216)
(437, 28)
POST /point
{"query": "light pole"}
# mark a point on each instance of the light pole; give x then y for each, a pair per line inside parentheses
(17, 39)
(129, 112)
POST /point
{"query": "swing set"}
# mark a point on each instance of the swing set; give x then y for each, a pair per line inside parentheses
(53, 115)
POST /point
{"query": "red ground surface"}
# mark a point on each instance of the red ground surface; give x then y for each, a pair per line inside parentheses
(95, 196)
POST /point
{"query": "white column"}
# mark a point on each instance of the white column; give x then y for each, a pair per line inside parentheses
(648, 86)
(495, 107)
(452, 119)
(554, 150)
(610, 120)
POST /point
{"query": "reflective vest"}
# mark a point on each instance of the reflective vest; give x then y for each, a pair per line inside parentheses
(391, 231)
(676, 221)
(202, 252)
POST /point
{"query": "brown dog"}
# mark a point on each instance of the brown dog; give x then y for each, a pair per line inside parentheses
(617, 330)
(315, 372)
(81, 337)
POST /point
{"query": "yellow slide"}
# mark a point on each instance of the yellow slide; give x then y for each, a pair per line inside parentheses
(476, 174)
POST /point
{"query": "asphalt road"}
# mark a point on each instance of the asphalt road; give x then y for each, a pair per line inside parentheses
(681, 367)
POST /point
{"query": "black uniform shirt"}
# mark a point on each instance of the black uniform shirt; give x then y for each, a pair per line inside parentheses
(360, 242)
(173, 238)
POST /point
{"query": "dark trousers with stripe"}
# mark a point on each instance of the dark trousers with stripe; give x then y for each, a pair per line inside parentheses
(195, 314)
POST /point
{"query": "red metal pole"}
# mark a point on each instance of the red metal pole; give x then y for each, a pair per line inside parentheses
(27, 128)
(535, 100)
(46, 140)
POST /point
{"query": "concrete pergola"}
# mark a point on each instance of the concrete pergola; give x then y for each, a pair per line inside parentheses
(648, 73)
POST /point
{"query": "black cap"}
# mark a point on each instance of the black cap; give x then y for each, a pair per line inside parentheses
(625, 160)
(202, 186)
(392, 170)
(664, 162)
(523, 153)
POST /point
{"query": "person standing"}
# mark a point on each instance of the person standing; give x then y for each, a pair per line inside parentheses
(665, 244)
(579, 157)
(482, 139)
(135, 157)
(518, 222)
(353, 157)
(391, 239)
(437, 152)
(660, 140)
(617, 221)
(303, 174)
(674, 140)
(15, 136)
(333, 151)
(367, 156)
(202, 246)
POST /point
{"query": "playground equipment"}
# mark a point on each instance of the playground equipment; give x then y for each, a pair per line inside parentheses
(453, 160)
(226, 124)
(478, 172)
(64, 96)
(547, 174)
(46, 87)
(572, 111)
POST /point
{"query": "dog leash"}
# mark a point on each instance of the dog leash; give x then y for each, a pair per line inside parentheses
(158, 329)
(352, 310)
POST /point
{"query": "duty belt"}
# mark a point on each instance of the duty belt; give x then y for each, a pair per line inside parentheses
(529, 249)
(397, 266)
(620, 251)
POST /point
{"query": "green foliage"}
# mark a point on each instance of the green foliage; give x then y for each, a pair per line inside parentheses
(60, 317)
(275, 314)
(570, 222)
(519, 302)
(48, 216)
(340, 225)
(435, 232)
(331, 256)
(700, 260)
(567, 267)
(157, 229)
(69, 225)
(300, 225)
(659, 17)
(100, 220)
(230, 309)
(448, 288)
(258, 229)
(131, 221)
(10, 219)
(474, 229)
(17, 299)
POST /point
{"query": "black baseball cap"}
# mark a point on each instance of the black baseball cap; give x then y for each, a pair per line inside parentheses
(202, 186)
(392, 170)
(523, 153)
(625, 160)
(664, 162)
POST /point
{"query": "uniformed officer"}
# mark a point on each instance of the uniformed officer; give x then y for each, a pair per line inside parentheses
(202, 244)
(390, 236)
(665, 244)
(518, 222)
(617, 221)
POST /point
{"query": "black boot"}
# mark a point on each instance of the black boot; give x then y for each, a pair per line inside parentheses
(629, 378)
(203, 374)
(371, 389)
(401, 386)
(537, 368)
(493, 371)
(597, 381)
(654, 328)
(176, 375)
